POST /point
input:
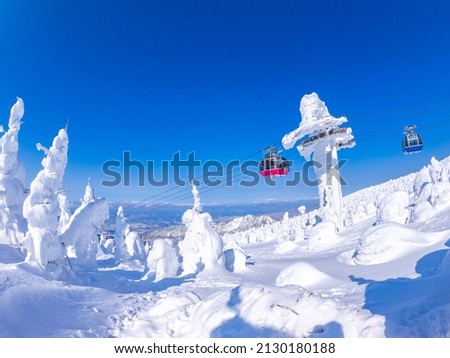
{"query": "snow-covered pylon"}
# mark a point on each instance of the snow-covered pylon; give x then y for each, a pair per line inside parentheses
(41, 208)
(12, 177)
(202, 247)
(325, 138)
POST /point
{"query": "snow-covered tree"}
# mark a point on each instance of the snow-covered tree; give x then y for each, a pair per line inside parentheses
(12, 176)
(120, 252)
(128, 243)
(64, 217)
(431, 190)
(202, 247)
(82, 232)
(394, 208)
(197, 203)
(325, 138)
(162, 260)
(88, 193)
(41, 208)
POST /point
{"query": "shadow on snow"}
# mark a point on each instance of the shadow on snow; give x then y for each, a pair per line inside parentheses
(413, 307)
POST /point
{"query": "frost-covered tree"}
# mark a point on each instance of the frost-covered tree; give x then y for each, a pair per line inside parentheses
(42, 208)
(64, 204)
(12, 176)
(431, 190)
(88, 193)
(197, 203)
(325, 138)
(162, 260)
(394, 207)
(128, 243)
(120, 252)
(202, 247)
(82, 232)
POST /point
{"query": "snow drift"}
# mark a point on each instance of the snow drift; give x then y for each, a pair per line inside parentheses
(392, 241)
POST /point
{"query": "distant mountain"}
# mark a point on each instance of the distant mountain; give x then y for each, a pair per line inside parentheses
(147, 216)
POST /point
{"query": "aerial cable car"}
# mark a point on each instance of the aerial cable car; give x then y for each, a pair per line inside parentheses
(412, 142)
(273, 165)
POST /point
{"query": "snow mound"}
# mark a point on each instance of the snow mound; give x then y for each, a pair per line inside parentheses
(296, 312)
(235, 257)
(423, 211)
(394, 208)
(181, 314)
(302, 274)
(444, 267)
(323, 231)
(10, 255)
(253, 311)
(284, 247)
(235, 260)
(391, 241)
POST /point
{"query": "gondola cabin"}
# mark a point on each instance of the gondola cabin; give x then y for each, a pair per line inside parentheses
(412, 142)
(273, 165)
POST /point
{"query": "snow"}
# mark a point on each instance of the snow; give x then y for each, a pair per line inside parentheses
(385, 273)
(394, 208)
(163, 260)
(202, 247)
(12, 177)
(315, 117)
(325, 138)
(128, 243)
(302, 274)
(391, 241)
(295, 312)
(81, 232)
(244, 223)
(41, 207)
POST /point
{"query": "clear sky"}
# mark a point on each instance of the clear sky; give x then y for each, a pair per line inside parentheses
(224, 79)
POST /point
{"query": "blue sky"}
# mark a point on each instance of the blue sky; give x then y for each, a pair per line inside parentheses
(224, 79)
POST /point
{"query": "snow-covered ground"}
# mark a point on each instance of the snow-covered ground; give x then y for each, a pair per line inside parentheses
(386, 273)
(373, 279)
